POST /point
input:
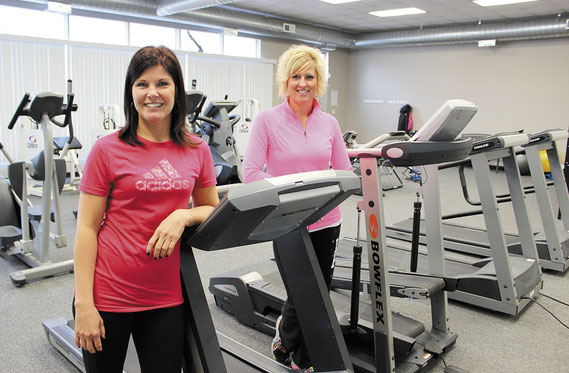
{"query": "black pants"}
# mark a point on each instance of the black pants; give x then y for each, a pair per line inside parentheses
(325, 242)
(157, 334)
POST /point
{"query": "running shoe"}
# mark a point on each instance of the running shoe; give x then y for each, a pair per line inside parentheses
(296, 368)
(280, 354)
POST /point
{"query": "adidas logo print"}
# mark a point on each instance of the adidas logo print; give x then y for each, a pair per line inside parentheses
(162, 177)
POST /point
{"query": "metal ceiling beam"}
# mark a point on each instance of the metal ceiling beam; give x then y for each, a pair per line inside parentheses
(541, 28)
(169, 7)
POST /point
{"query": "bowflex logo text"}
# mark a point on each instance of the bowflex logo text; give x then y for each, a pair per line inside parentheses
(379, 314)
(373, 227)
(162, 177)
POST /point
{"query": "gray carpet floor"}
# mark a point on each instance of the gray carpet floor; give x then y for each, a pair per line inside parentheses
(488, 341)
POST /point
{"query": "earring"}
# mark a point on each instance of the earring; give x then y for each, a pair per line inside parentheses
(132, 107)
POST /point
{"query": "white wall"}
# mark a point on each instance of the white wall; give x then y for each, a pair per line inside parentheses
(26, 67)
(517, 85)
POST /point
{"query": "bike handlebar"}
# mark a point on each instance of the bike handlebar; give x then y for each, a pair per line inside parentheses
(20, 110)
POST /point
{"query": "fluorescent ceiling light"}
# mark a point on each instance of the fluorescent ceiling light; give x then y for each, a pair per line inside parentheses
(339, 1)
(53, 6)
(487, 43)
(500, 2)
(230, 31)
(397, 12)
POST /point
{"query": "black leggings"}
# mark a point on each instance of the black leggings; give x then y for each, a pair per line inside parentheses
(158, 336)
(325, 242)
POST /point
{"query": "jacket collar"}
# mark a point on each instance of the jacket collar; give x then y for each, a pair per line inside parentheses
(315, 107)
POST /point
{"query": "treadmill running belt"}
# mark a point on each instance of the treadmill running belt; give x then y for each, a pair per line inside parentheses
(451, 232)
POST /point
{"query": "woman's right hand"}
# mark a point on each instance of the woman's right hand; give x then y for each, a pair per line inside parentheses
(89, 328)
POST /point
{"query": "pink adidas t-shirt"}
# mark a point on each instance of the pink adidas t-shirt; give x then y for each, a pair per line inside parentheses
(144, 184)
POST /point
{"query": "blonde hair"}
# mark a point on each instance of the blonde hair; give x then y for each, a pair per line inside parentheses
(298, 58)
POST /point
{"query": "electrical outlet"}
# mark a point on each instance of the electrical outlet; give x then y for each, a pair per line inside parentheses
(289, 27)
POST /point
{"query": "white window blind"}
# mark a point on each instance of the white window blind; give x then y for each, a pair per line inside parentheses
(26, 67)
(98, 74)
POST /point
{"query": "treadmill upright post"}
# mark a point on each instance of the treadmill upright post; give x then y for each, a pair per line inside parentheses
(552, 235)
(378, 281)
(559, 183)
(435, 246)
(307, 289)
(496, 238)
(202, 352)
(513, 178)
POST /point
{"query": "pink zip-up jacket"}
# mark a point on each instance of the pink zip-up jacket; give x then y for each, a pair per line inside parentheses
(279, 141)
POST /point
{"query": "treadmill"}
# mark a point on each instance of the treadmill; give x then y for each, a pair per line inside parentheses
(503, 282)
(237, 357)
(378, 340)
(279, 210)
(553, 249)
(557, 240)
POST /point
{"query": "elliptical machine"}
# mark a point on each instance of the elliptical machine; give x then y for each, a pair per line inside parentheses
(25, 230)
(215, 126)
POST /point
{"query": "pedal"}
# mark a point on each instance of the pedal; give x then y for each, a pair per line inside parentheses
(35, 213)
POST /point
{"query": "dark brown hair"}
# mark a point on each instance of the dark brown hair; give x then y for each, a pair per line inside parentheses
(143, 59)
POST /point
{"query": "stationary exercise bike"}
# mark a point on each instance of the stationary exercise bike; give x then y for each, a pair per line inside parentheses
(25, 229)
(215, 126)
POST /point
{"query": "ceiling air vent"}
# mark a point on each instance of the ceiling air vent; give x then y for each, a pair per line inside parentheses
(289, 27)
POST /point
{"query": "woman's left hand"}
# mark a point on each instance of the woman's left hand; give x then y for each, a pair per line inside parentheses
(165, 237)
(168, 233)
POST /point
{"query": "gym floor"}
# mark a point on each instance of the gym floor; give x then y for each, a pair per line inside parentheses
(488, 342)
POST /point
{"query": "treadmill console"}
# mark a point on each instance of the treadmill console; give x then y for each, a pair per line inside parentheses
(215, 106)
(447, 122)
(270, 208)
(434, 143)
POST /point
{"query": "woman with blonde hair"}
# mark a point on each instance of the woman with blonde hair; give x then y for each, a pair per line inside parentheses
(297, 136)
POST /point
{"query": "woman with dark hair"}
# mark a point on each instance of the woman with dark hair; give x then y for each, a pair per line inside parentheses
(133, 208)
(143, 59)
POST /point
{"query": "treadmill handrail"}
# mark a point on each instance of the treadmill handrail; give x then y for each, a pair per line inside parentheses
(547, 136)
(504, 140)
(385, 137)
(411, 153)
